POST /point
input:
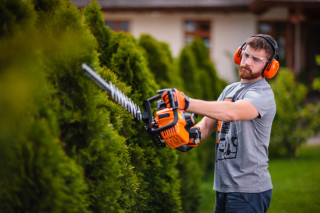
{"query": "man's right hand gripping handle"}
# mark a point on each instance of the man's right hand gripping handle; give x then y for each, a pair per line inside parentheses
(194, 136)
(194, 139)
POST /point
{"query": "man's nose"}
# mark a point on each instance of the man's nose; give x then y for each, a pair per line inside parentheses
(248, 61)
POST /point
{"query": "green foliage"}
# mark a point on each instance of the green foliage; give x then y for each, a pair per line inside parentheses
(212, 85)
(157, 177)
(65, 145)
(85, 126)
(188, 70)
(317, 58)
(36, 174)
(295, 120)
(95, 21)
(196, 67)
(316, 84)
(202, 82)
(128, 63)
(191, 175)
(295, 183)
(160, 61)
(15, 16)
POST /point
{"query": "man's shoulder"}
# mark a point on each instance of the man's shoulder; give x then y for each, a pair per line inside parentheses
(231, 86)
(227, 90)
(261, 86)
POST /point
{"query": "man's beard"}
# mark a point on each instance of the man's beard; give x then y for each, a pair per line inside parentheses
(248, 73)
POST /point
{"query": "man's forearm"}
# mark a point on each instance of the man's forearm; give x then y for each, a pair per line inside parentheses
(224, 110)
(221, 110)
(207, 126)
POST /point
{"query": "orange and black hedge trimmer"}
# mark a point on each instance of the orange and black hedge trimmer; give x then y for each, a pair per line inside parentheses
(171, 126)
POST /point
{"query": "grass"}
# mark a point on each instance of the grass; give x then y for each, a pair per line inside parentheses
(296, 184)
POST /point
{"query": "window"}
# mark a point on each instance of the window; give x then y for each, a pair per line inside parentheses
(197, 29)
(118, 25)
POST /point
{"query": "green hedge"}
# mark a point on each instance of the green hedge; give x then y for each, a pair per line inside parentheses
(66, 146)
(296, 120)
(36, 174)
(201, 82)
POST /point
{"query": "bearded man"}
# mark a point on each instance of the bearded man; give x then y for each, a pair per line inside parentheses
(242, 116)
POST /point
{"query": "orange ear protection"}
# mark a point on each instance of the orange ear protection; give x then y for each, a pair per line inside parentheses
(272, 66)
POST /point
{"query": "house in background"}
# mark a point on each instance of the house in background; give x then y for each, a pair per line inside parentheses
(223, 25)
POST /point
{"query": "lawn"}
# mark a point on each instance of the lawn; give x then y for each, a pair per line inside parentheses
(296, 184)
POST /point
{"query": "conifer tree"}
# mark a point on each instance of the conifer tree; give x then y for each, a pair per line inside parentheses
(158, 182)
(36, 174)
(160, 61)
(211, 83)
(85, 128)
(189, 71)
(295, 120)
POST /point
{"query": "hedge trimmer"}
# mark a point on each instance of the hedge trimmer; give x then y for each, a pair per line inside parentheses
(171, 126)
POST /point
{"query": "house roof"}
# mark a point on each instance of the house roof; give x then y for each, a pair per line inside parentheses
(194, 5)
(164, 3)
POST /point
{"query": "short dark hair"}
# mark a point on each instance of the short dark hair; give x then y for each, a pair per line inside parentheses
(262, 43)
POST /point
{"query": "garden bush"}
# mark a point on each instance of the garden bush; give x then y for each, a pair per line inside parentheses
(160, 62)
(158, 179)
(295, 120)
(162, 65)
(36, 174)
(211, 83)
(195, 66)
(66, 146)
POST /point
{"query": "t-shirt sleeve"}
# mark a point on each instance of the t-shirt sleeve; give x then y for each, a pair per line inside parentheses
(263, 101)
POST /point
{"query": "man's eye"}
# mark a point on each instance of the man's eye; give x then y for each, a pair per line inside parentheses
(256, 59)
(246, 55)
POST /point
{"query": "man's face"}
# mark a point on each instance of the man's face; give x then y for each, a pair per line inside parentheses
(252, 63)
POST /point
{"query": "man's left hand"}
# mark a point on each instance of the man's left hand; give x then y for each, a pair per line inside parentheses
(174, 98)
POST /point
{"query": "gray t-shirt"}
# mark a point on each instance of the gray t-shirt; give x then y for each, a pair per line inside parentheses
(241, 163)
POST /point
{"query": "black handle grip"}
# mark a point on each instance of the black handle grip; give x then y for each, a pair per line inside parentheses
(147, 115)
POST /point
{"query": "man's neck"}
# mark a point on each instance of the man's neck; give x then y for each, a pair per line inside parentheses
(250, 80)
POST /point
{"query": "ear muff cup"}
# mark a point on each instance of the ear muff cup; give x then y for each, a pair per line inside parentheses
(237, 56)
(271, 69)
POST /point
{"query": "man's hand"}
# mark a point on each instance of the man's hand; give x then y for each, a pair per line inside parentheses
(174, 98)
(194, 136)
(194, 139)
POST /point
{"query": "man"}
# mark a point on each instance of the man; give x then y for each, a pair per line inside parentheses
(243, 116)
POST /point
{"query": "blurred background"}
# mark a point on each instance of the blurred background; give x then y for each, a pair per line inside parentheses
(66, 146)
(223, 25)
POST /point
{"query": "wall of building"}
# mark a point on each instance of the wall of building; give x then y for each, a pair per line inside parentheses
(228, 31)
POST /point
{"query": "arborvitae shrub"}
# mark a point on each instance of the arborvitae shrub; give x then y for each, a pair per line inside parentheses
(211, 87)
(36, 174)
(128, 63)
(86, 131)
(160, 61)
(158, 181)
(15, 16)
(65, 145)
(295, 119)
(95, 21)
(189, 72)
(211, 83)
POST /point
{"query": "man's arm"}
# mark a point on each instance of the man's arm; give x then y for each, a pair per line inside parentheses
(207, 126)
(224, 110)
(218, 110)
